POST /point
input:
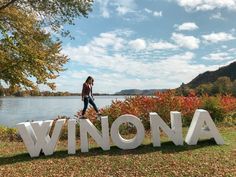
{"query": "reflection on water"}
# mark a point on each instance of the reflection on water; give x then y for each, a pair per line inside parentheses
(14, 110)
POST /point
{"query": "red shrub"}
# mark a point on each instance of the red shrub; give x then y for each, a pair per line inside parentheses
(162, 103)
(228, 103)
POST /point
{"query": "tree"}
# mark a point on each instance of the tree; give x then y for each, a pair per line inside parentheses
(183, 90)
(52, 13)
(222, 85)
(204, 89)
(28, 54)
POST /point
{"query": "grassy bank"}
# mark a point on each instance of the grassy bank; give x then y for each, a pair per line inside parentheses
(205, 159)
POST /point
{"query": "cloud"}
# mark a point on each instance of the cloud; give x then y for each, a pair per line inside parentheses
(78, 74)
(122, 7)
(104, 8)
(232, 50)
(124, 72)
(108, 39)
(217, 16)
(218, 37)
(205, 5)
(220, 56)
(148, 45)
(130, 66)
(138, 44)
(189, 42)
(188, 26)
(117, 69)
(224, 46)
(148, 10)
(154, 13)
(157, 13)
(162, 45)
(122, 10)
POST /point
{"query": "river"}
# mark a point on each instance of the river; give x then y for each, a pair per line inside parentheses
(14, 110)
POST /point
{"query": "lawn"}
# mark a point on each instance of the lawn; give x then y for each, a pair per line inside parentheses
(205, 159)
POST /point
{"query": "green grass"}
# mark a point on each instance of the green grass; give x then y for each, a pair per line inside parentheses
(205, 159)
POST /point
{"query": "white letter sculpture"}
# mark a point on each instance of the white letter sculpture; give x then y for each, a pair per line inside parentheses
(196, 130)
(102, 140)
(71, 136)
(174, 133)
(124, 143)
(36, 136)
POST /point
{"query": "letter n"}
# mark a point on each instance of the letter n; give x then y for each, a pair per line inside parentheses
(174, 133)
(102, 139)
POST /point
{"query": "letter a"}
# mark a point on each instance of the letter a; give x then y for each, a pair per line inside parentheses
(196, 130)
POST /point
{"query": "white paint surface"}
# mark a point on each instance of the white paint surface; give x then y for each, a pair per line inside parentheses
(122, 143)
(196, 131)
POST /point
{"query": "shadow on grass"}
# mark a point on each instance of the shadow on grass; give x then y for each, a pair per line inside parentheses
(166, 147)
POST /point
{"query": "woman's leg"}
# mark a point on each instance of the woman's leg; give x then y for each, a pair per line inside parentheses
(86, 101)
(93, 104)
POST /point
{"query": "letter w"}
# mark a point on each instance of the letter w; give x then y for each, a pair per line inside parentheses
(36, 136)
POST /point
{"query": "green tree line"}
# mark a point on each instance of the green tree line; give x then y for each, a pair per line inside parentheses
(223, 86)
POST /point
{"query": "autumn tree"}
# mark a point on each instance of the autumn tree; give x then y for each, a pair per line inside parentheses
(222, 85)
(204, 89)
(52, 13)
(28, 54)
(183, 90)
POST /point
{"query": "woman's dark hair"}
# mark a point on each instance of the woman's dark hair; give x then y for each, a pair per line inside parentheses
(89, 78)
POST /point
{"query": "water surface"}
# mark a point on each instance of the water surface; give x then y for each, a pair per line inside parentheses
(14, 110)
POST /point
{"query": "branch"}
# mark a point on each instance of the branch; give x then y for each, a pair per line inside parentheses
(8, 4)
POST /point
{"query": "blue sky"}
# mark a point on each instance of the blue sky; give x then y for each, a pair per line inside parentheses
(147, 44)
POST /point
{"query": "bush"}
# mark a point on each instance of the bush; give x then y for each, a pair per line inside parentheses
(9, 134)
(163, 103)
(228, 103)
(230, 120)
(212, 105)
(221, 108)
(64, 130)
(141, 106)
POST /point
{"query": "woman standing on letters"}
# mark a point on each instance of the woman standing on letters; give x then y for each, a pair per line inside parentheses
(87, 96)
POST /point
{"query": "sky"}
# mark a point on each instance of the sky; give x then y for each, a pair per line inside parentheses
(148, 44)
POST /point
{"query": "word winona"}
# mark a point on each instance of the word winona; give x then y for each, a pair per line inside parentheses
(36, 134)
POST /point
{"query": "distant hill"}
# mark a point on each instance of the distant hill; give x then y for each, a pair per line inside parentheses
(211, 76)
(139, 92)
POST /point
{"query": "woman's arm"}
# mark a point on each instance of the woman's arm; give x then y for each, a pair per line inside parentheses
(92, 92)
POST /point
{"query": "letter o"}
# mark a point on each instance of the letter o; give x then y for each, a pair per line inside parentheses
(122, 143)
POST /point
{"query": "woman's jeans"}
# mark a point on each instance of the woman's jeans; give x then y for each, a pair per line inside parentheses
(88, 100)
